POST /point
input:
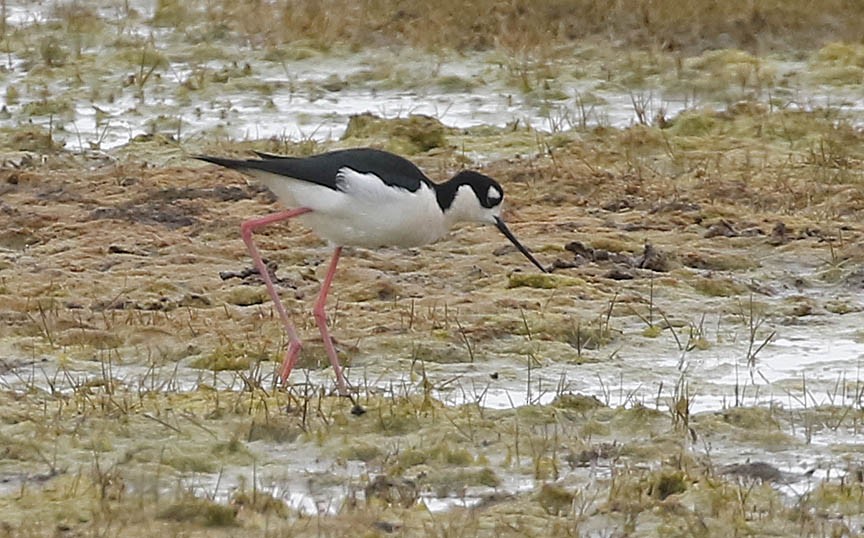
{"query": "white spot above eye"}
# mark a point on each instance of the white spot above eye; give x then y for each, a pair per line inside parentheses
(493, 194)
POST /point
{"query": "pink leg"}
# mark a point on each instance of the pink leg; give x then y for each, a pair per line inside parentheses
(321, 320)
(246, 229)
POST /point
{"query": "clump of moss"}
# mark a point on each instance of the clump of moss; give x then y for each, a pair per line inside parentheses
(187, 462)
(652, 331)
(13, 94)
(450, 482)
(637, 417)
(455, 84)
(49, 107)
(233, 448)
(412, 456)
(397, 420)
(201, 511)
(719, 61)
(169, 13)
(391, 491)
(839, 63)
(577, 402)
(245, 295)
(449, 455)
(79, 18)
(295, 53)
(34, 138)
(378, 290)
(838, 306)
(361, 451)
(755, 418)
(446, 353)
(411, 135)
(839, 53)
(90, 338)
(536, 415)
(840, 75)
(844, 498)
(713, 286)
(543, 281)
(222, 358)
(143, 57)
(719, 262)
(693, 123)
(52, 53)
(555, 500)
(260, 502)
(613, 244)
(276, 429)
(667, 482)
(591, 336)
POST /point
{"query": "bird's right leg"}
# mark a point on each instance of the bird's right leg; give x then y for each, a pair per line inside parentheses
(246, 229)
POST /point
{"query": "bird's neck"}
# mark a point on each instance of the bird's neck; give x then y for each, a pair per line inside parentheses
(445, 194)
(461, 205)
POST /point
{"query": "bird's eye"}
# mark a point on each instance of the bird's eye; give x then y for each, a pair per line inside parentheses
(493, 195)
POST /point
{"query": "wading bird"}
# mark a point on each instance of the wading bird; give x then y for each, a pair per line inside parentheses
(363, 198)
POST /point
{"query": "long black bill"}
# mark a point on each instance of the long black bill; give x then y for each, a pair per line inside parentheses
(509, 235)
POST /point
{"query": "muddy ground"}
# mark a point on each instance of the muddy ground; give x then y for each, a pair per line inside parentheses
(138, 346)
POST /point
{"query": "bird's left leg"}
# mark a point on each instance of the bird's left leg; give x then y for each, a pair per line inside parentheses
(321, 319)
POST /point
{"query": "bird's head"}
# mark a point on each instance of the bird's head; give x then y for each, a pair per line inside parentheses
(475, 197)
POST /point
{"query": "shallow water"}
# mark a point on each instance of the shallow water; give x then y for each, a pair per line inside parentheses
(289, 100)
(803, 366)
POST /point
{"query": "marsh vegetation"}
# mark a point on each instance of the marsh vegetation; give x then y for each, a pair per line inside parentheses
(691, 367)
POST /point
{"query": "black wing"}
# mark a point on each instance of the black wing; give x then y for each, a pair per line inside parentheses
(323, 168)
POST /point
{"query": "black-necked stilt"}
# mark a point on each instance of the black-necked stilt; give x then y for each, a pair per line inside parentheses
(363, 198)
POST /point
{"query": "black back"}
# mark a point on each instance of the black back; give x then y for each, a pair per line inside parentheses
(323, 168)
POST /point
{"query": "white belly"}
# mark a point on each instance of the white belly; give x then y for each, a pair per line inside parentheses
(384, 229)
(367, 214)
